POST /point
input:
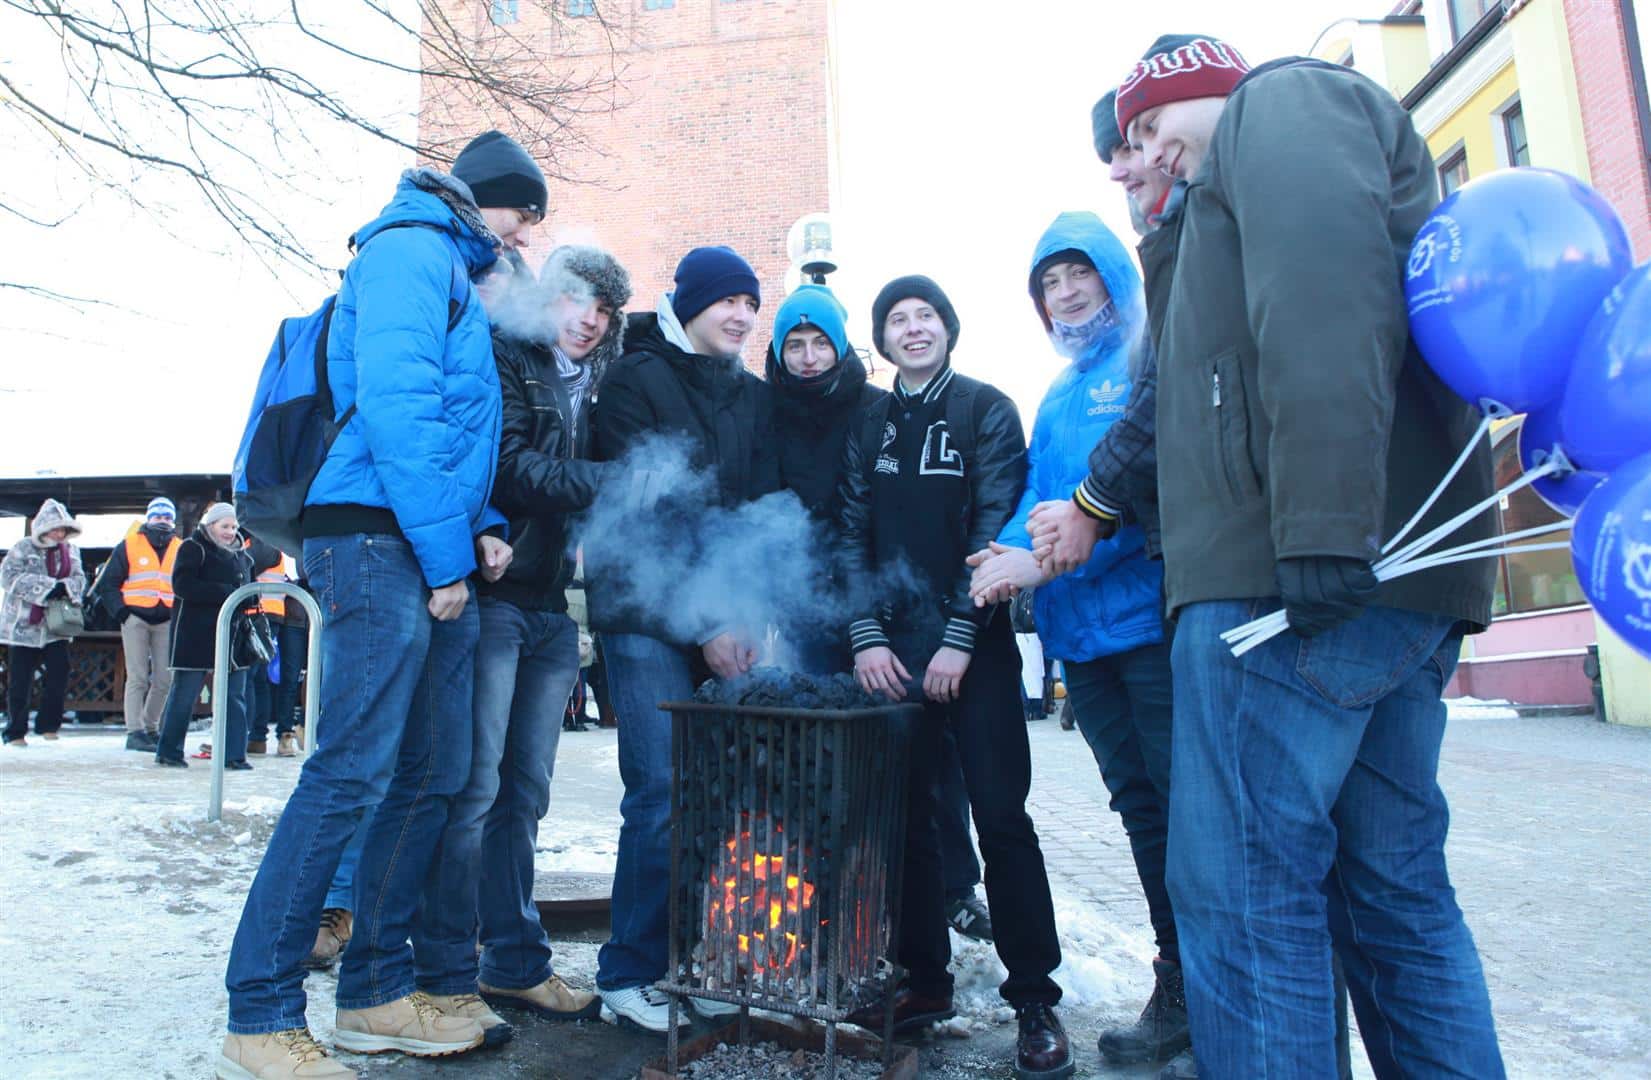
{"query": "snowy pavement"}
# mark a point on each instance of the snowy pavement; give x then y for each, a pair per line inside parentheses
(121, 901)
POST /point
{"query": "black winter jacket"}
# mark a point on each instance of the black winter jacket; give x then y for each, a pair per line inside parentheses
(1298, 418)
(541, 480)
(205, 574)
(810, 428)
(995, 472)
(726, 416)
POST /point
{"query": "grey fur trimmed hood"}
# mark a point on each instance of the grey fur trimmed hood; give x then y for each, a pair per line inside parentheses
(576, 268)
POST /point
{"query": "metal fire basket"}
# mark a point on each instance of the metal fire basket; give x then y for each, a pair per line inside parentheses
(787, 830)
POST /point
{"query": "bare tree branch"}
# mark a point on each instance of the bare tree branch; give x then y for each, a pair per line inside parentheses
(219, 100)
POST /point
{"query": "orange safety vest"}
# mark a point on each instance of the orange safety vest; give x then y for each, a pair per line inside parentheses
(148, 578)
(273, 605)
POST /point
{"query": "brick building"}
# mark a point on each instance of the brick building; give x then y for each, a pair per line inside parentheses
(720, 130)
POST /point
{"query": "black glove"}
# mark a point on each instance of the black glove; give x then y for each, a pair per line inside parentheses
(1321, 592)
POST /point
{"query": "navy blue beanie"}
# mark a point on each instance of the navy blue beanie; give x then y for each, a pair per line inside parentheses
(1103, 124)
(706, 275)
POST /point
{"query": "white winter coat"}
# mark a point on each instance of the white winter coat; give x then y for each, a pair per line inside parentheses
(26, 582)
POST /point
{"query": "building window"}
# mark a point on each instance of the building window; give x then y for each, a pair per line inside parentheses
(503, 12)
(1513, 130)
(1453, 173)
(1536, 580)
(1464, 13)
(657, 5)
(576, 8)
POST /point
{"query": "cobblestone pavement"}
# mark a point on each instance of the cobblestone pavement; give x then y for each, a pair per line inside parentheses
(1550, 850)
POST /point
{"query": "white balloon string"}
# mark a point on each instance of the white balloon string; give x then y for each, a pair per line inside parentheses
(1427, 540)
(1461, 459)
(1270, 626)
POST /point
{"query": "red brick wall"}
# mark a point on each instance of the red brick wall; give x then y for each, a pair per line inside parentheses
(1616, 156)
(718, 133)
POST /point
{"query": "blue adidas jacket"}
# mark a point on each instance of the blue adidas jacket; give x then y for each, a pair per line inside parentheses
(1110, 604)
(424, 440)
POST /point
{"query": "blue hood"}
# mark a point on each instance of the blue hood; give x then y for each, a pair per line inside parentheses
(1081, 230)
(413, 204)
(1110, 604)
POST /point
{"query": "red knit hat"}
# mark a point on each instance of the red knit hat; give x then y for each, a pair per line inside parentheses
(1200, 68)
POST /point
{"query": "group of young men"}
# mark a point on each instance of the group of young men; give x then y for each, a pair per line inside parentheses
(1299, 427)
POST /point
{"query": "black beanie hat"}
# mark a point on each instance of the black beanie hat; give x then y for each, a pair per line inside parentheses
(501, 174)
(1103, 123)
(904, 288)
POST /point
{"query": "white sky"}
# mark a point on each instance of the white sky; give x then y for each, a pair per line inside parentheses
(963, 130)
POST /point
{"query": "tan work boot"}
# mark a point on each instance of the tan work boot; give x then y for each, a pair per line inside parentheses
(412, 1025)
(496, 1031)
(281, 1055)
(259, 747)
(288, 746)
(552, 999)
(330, 939)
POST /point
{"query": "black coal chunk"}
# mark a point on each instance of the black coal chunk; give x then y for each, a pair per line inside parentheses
(774, 688)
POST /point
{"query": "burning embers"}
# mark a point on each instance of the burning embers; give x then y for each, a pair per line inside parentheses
(782, 826)
(754, 901)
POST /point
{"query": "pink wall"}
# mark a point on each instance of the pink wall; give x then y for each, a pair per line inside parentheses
(1530, 680)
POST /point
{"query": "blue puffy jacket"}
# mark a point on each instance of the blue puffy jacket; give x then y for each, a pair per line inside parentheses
(424, 440)
(1111, 603)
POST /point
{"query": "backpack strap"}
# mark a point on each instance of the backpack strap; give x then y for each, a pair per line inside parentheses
(458, 302)
(965, 408)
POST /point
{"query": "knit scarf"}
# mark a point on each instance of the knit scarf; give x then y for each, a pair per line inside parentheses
(58, 565)
(1075, 341)
(575, 377)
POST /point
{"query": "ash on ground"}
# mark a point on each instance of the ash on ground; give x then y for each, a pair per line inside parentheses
(773, 688)
(771, 1061)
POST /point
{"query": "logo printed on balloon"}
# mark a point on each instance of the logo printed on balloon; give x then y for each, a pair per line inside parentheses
(1426, 245)
(1636, 569)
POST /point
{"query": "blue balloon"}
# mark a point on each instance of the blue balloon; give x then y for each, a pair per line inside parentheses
(1605, 416)
(1611, 549)
(1503, 277)
(1538, 438)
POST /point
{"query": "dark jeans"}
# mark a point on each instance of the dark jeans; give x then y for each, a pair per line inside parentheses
(294, 642)
(958, 866)
(21, 665)
(642, 672)
(996, 763)
(1122, 704)
(180, 708)
(260, 702)
(1307, 810)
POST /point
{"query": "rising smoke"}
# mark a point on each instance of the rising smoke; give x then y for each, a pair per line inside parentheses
(765, 569)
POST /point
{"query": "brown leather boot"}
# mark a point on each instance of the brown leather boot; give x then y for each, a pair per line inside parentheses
(1041, 1050)
(330, 939)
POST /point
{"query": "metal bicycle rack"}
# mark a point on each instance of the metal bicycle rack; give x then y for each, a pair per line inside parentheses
(220, 676)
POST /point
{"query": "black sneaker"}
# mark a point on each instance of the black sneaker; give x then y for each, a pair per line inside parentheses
(142, 741)
(172, 763)
(1162, 1031)
(969, 916)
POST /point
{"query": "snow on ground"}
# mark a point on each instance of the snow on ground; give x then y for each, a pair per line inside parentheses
(122, 901)
(1470, 708)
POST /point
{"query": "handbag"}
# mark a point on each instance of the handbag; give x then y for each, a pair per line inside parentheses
(64, 618)
(252, 642)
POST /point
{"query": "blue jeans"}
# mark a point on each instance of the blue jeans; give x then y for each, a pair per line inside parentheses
(642, 672)
(1309, 761)
(180, 708)
(1122, 705)
(341, 893)
(483, 870)
(395, 694)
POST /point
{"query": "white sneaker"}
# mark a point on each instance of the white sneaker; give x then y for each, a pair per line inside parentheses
(642, 1006)
(711, 1009)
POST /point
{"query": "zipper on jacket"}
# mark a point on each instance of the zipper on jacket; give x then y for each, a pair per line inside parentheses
(1215, 395)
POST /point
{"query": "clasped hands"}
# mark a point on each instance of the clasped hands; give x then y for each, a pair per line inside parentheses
(1062, 539)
